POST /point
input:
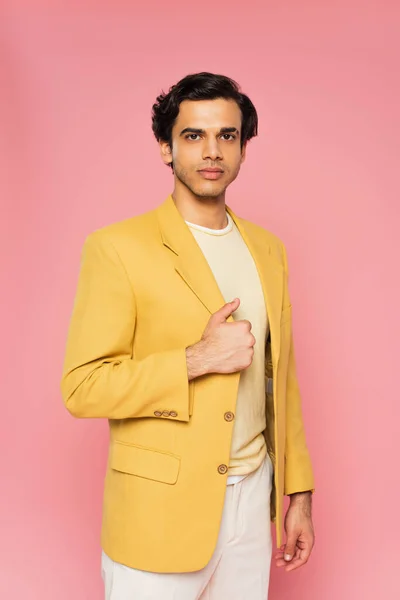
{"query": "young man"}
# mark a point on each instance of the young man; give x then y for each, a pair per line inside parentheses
(181, 336)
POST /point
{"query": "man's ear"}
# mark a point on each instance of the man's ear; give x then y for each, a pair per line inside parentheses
(244, 148)
(166, 152)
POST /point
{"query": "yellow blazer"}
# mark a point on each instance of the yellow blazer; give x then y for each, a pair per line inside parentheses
(145, 293)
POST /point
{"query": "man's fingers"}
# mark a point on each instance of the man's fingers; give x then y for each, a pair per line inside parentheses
(300, 558)
(226, 310)
(279, 558)
(304, 553)
(295, 564)
(300, 553)
(290, 547)
(281, 562)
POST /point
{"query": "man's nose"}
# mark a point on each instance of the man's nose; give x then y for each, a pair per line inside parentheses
(212, 149)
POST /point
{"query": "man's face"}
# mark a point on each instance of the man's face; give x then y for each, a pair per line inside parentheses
(206, 135)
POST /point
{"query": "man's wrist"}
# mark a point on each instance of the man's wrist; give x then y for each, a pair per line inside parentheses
(301, 500)
(301, 497)
(196, 360)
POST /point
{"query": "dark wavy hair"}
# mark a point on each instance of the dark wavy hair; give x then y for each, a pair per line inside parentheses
(201, 86)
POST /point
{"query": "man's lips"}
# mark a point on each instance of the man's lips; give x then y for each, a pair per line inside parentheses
(212, 170)
(211, 173)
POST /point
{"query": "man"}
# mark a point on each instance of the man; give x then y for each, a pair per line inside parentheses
(181, 336)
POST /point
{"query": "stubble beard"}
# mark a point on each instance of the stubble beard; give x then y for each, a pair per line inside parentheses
(208, 190)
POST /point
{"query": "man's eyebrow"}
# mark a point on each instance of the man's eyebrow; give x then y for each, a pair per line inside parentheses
(228, 130)
(199, 131)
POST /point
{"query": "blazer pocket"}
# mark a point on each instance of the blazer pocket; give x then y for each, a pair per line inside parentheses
(145, 462)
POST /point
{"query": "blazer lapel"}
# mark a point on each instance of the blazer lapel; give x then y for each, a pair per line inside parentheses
(270, 273)
(191, 264)
(189, 261)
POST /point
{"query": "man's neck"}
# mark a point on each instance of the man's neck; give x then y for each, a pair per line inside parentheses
(207, 212)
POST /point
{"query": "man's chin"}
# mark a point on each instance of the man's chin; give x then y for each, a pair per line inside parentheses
(209, 191)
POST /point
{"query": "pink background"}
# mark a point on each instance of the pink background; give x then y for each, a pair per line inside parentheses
(77, 153)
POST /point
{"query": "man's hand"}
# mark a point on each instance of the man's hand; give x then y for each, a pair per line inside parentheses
(224, 347)
(299, 533)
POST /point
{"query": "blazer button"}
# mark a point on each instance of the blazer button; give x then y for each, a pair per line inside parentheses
(222, 469)
(229, 416)
(173, 413)
(165, 413)
(157, 413)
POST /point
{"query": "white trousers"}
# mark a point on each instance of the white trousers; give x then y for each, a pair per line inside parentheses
(239, 567)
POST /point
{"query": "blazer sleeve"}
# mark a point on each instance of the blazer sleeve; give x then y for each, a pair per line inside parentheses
(298, 469)
(100, 377)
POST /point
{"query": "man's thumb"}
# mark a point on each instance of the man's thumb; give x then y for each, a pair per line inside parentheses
(227, 309)
(290, 548)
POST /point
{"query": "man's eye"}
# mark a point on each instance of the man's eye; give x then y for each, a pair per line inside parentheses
(226, 136)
